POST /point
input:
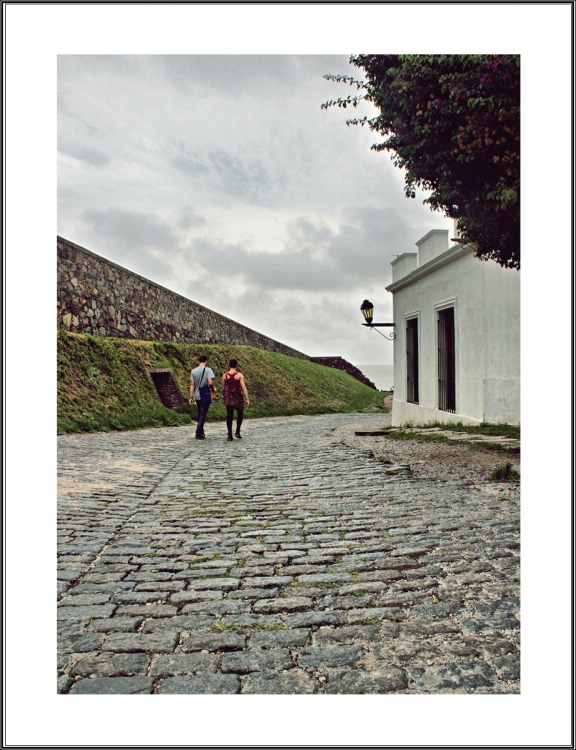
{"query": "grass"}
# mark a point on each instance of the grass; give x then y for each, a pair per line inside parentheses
(505, 473)
(485, 428)
(418, 432)
(222, 627)
(494, 447)
(409, 435)
(103, 383)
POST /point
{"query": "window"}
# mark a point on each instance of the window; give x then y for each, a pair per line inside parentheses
(412, 360)
(446, 361)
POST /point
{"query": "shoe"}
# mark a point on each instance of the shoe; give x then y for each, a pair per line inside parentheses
(230, 436)
(200, 437)
(238, 435)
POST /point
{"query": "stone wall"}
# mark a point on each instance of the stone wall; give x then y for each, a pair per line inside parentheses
(342, 364)
(102, 298)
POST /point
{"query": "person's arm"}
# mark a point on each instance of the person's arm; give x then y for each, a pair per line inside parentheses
(192, 389)
(211, 384)
(243, 384)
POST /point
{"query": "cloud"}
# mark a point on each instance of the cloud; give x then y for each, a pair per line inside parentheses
(224, 171)
(315, 257)
(137, 239)
(232, 75)
(90, 155)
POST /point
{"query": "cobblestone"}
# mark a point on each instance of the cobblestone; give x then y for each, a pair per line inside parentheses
(273, 565)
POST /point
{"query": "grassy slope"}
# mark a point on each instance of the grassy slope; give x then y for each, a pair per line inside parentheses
(103, 383)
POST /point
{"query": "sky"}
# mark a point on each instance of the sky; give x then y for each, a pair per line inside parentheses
(220, 177)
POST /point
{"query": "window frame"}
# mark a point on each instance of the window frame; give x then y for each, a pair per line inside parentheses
(412, 322)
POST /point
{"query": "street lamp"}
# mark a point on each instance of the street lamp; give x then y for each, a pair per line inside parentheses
(367, 309)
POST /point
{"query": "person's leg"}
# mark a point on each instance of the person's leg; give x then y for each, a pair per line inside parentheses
(202, 411)
(239, 418)
(229, 418)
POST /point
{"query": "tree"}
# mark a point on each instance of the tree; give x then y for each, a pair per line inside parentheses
(453, 123)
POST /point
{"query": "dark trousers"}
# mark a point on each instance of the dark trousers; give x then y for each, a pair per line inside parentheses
(202, 412)
(230, 417)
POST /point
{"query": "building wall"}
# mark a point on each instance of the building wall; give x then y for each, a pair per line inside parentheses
(102, 298)
(486, 301)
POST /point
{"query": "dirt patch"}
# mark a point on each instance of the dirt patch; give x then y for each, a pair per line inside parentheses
(427, 460)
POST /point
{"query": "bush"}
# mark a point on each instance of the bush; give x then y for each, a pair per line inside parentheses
(504, 473)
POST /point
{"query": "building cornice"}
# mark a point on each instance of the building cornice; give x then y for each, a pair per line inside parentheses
(452, 254)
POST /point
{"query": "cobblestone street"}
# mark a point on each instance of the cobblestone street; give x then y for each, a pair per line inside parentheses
(285, 562)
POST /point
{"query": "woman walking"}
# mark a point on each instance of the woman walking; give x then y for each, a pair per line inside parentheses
(235, 393)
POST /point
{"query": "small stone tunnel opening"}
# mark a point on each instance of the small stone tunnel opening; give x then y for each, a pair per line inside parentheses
(167, 389)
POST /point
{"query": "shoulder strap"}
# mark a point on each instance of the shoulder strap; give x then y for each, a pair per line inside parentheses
(204, 373)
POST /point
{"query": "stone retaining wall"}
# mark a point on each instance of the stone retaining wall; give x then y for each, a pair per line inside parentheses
(102, 298)
(341, 364)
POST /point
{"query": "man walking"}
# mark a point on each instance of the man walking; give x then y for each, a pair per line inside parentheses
(202, 389)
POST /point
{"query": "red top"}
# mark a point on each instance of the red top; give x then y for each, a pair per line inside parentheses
(233, 395)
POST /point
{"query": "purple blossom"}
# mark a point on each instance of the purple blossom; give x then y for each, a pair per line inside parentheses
(502, 480)
(483, 79)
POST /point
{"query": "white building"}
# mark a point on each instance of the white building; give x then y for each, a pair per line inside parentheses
(457, 346)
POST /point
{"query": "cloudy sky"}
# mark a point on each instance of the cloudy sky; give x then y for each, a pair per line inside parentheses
(219, 176)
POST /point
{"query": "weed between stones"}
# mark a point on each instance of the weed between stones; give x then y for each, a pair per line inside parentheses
(267, 626)
(222, 627)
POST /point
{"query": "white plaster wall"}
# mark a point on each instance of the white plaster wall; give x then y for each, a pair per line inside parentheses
(502, 379)
(403, 265)
(431, 245)
(486, 301)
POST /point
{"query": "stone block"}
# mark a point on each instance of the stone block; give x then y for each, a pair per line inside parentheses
(256, 660)
(177, 664)
(210, 684)
(337, 656)
(293, 638)
(113, 685)
(214, 642)
(111, 665)
(152, 642)
(283, 604)
(383, 680)
(293, 682)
